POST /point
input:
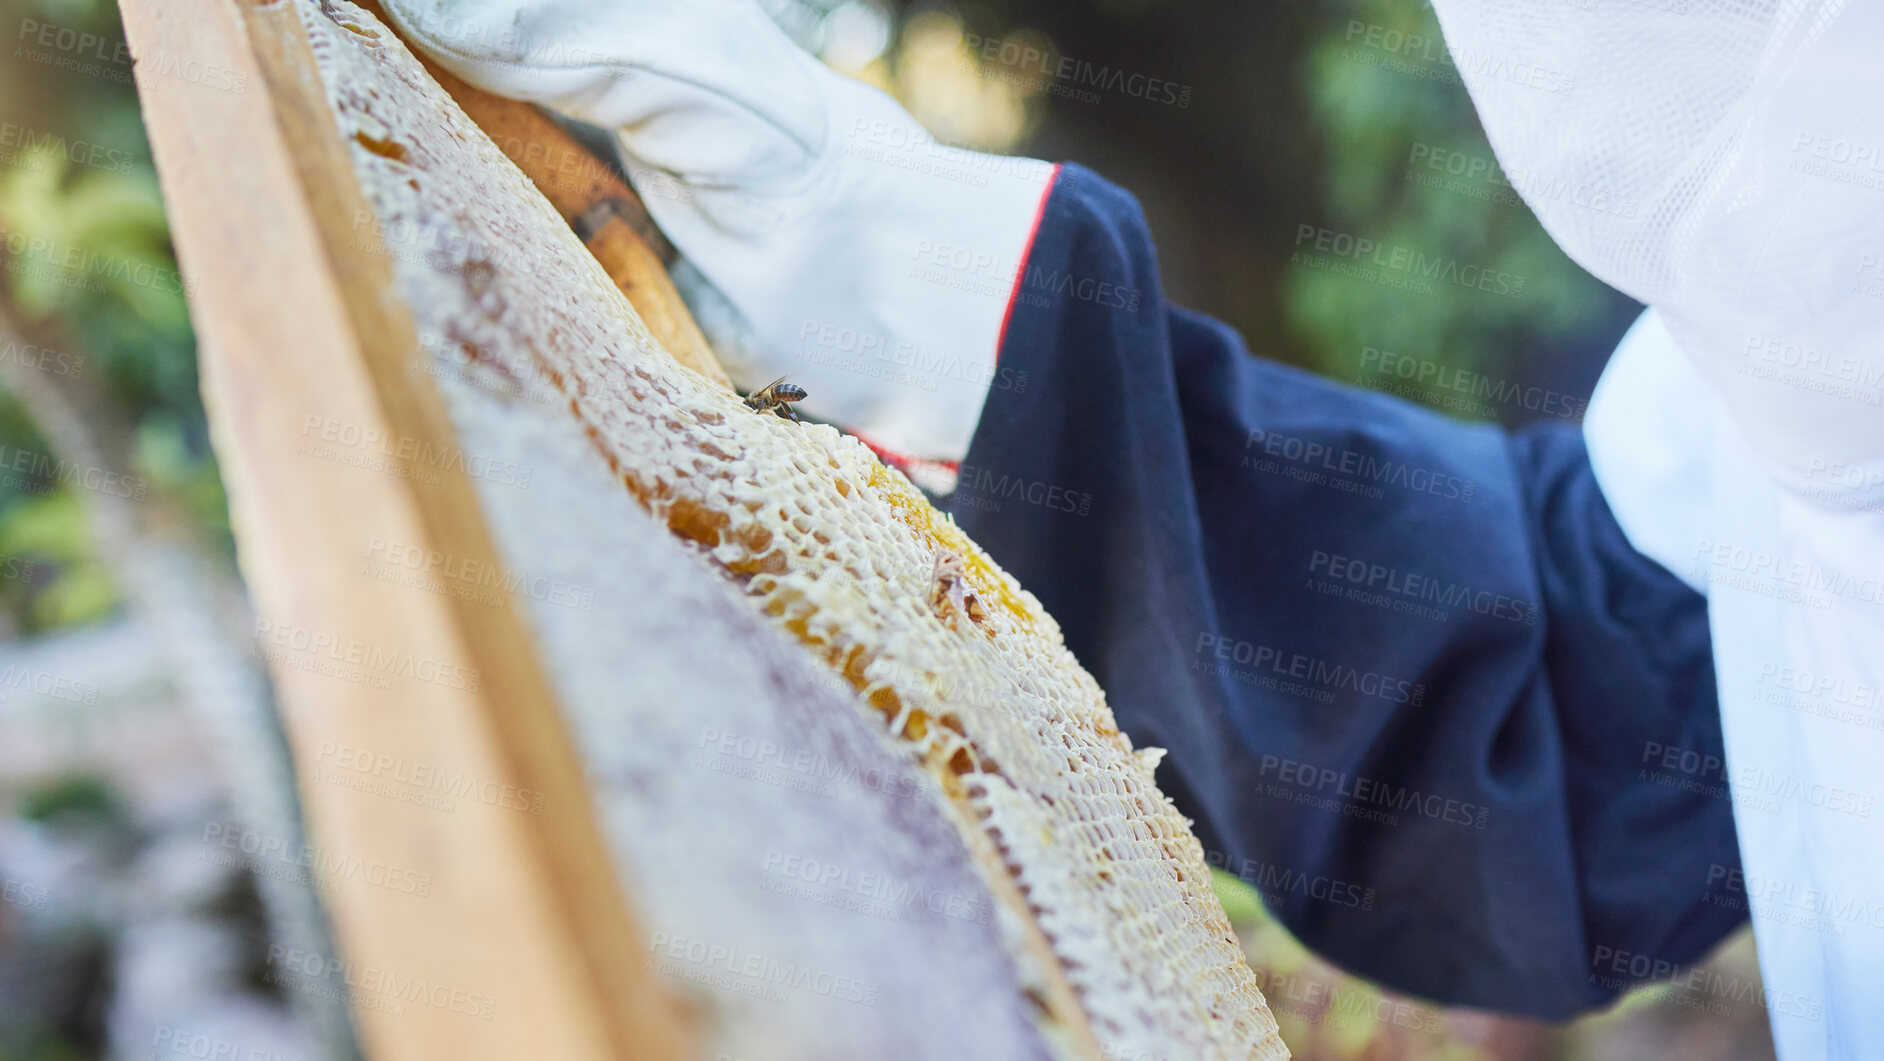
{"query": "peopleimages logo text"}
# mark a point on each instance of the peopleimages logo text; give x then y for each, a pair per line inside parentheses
(1408, 261)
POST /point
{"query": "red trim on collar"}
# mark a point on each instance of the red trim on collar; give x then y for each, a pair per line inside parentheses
(1027, 250)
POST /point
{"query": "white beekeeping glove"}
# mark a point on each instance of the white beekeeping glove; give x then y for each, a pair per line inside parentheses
(868, 262)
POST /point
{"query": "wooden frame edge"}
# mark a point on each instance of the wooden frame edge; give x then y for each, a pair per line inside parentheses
(298, 315)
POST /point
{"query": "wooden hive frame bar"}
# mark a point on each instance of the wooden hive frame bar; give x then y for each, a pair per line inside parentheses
(523, 943)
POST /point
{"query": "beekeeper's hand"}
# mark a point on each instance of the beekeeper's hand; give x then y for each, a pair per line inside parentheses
(865, 260)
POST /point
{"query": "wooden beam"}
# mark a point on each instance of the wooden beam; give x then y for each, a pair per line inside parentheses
(488, 931)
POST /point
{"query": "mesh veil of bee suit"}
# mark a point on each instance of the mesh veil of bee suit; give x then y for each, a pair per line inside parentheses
(810, 530)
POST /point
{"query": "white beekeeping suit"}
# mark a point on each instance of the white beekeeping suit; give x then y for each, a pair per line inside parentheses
(1724, 163)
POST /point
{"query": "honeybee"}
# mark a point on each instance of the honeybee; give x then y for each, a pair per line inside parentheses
(949, 594)
(774, 396)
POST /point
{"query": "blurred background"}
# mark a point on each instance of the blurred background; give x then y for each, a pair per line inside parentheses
(136, 731)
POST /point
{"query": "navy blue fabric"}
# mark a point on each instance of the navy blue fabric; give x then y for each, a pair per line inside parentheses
(1415, 684)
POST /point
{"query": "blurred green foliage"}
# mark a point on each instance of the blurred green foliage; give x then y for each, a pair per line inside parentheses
(70, 798)
(50, 529)
(90, 278)
(1374, 108)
